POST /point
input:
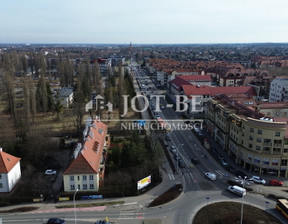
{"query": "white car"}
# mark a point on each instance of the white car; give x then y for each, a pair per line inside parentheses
(257, 180)
(50, 172)
(173, 149)
(210, 175)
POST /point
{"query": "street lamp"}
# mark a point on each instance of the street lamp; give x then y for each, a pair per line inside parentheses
(75, 206)
(243, 182)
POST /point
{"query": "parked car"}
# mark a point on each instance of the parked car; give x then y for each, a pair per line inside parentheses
(241, 174)
(210, 175)
(195, 160)
(223, 162)
(181, 163)
(173, 149)
(275, 182)
(56, 221)
(257, 180)
(50, 172)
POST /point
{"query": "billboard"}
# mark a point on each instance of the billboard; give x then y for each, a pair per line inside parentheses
(143, 183)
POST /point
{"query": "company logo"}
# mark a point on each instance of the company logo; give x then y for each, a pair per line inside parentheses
(153, 104)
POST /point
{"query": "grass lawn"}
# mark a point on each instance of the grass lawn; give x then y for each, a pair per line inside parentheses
(229, 213)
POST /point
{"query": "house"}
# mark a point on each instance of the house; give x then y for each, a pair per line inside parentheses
(10, 172)
(66, 95)
(86, 171)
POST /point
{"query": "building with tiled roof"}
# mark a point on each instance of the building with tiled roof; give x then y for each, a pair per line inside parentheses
(86, 171)
(198, 95)
(10, 172)
(257, 142)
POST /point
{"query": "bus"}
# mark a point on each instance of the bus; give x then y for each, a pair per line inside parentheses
(282, 206)
(165, 128)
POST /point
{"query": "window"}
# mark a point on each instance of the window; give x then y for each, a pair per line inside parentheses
(91, 186)
(71, 178)
(84, 177)
(1, 185)
(91, 177)
(284, 162)
(258, 139)
(72, 187)
(78, 177)
(258, 147)
(251, 137)
(84, 186)
(259, 132)
(251, 129)
(0, 176)
(277, 133)
(250, 146)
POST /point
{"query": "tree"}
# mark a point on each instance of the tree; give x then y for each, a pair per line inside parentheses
(42, 95)
(58, 107)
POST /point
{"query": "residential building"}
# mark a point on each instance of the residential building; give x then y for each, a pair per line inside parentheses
(104, 66)
(257, 142)
(199, 95)
(10, 172)
(278, 89)
(86, 171)
(66, 95)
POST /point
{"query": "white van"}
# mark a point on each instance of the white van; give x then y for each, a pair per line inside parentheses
(237, 190)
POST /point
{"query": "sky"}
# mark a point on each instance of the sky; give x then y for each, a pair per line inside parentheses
(143, 22)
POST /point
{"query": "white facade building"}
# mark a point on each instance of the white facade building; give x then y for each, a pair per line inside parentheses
(278, 90)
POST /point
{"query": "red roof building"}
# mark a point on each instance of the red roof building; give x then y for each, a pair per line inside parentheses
(10, 172)
(86, 171)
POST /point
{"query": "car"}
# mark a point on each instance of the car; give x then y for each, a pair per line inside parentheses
(223, 162)
(176, 157)
(257, 180)
(195, 160)
(275, 182)
(56, 221)
(210, 175)
(241, 174)
(50, 172)
(181, 163)
(167, 138)
(102, 222)
(173, 149)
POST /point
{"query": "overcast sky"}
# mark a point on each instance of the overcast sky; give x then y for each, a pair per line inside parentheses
(147, 21)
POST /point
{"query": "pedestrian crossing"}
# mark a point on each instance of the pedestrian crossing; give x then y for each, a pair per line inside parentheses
(131, 215)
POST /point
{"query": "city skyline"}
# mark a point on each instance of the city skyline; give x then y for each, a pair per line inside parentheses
(149, 22)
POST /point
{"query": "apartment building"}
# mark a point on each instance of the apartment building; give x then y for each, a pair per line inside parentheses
(86, 171)
(278, 89)
(252, 139)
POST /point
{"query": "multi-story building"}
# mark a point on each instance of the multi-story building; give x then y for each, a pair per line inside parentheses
(199, 95)
(86, 171)
(278, 90)
(255, 141)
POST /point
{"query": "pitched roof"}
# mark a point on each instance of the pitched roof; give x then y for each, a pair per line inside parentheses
(89, 159)
(196, 77)
(212, 91)
(7, 162)
(178, 82)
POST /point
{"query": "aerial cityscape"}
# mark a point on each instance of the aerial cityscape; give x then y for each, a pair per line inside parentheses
(151, 113)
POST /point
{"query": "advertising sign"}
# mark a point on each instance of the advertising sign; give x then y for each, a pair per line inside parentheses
(143, 183)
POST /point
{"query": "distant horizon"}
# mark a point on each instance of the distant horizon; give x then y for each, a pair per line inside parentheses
(236, 43)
